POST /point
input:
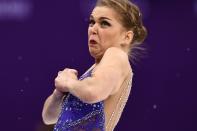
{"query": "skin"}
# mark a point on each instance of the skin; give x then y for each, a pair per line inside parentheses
(107, 31)
(108, 43)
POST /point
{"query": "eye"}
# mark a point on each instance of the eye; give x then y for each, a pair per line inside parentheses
(91, 22)
(105, 24)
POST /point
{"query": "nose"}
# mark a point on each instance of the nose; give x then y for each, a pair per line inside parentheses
(94, 29)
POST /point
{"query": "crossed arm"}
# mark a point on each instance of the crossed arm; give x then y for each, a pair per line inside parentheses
(106, 79)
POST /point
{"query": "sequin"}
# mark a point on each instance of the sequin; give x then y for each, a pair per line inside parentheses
(76, 115)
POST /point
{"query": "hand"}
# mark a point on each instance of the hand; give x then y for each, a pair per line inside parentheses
(63, 79)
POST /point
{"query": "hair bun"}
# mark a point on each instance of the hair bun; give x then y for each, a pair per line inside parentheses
(140, 34)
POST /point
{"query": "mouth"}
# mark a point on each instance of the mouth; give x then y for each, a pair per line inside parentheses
(92, 42)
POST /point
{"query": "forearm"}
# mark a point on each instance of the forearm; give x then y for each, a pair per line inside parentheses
(85, 90)
(95, 88)
(52, 108)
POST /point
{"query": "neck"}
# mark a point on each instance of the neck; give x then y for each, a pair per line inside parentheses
(98, 58)
(97, 61)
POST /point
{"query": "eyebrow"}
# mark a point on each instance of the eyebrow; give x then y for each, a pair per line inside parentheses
(100, 18)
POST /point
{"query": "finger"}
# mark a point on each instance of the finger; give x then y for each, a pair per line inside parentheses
(66, 69)
(74, 71)
(59, 72)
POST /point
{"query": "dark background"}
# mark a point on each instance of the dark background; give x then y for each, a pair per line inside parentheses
(46, 36)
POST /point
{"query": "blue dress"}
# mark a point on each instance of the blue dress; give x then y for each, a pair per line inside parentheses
(79, 116)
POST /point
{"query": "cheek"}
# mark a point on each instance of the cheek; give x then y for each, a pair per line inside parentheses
(88, 31)
(106, 35)
(109, 37)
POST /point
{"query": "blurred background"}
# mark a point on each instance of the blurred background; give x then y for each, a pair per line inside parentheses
(40, 37)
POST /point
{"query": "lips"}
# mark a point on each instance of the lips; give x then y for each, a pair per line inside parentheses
(93, 42)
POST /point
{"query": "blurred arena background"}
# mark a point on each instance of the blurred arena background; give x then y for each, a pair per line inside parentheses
(40, 37)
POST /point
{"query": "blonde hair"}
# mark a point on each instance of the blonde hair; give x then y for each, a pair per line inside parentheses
(131, 18)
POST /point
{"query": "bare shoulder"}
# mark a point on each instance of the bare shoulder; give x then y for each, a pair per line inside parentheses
(115, 57)
(115, 52)
(115, 60)
(112, 70)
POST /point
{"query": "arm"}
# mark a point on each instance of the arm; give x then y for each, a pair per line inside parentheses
(105, 81)
(52, 107)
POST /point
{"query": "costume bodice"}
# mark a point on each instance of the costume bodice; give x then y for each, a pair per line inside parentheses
(79, 116)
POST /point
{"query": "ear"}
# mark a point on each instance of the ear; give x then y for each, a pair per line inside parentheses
(128, 37)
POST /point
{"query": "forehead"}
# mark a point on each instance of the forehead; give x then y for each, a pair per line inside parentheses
(102, 11)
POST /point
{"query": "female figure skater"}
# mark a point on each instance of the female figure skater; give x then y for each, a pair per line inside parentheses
(95, 101)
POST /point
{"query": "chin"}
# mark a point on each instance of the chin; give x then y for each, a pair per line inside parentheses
(93, 54)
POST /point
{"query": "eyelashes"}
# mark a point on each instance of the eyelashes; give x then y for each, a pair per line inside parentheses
(91, 23)
(102, 23)
(105, 23)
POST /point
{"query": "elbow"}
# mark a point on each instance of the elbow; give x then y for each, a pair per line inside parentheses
(47, 120)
